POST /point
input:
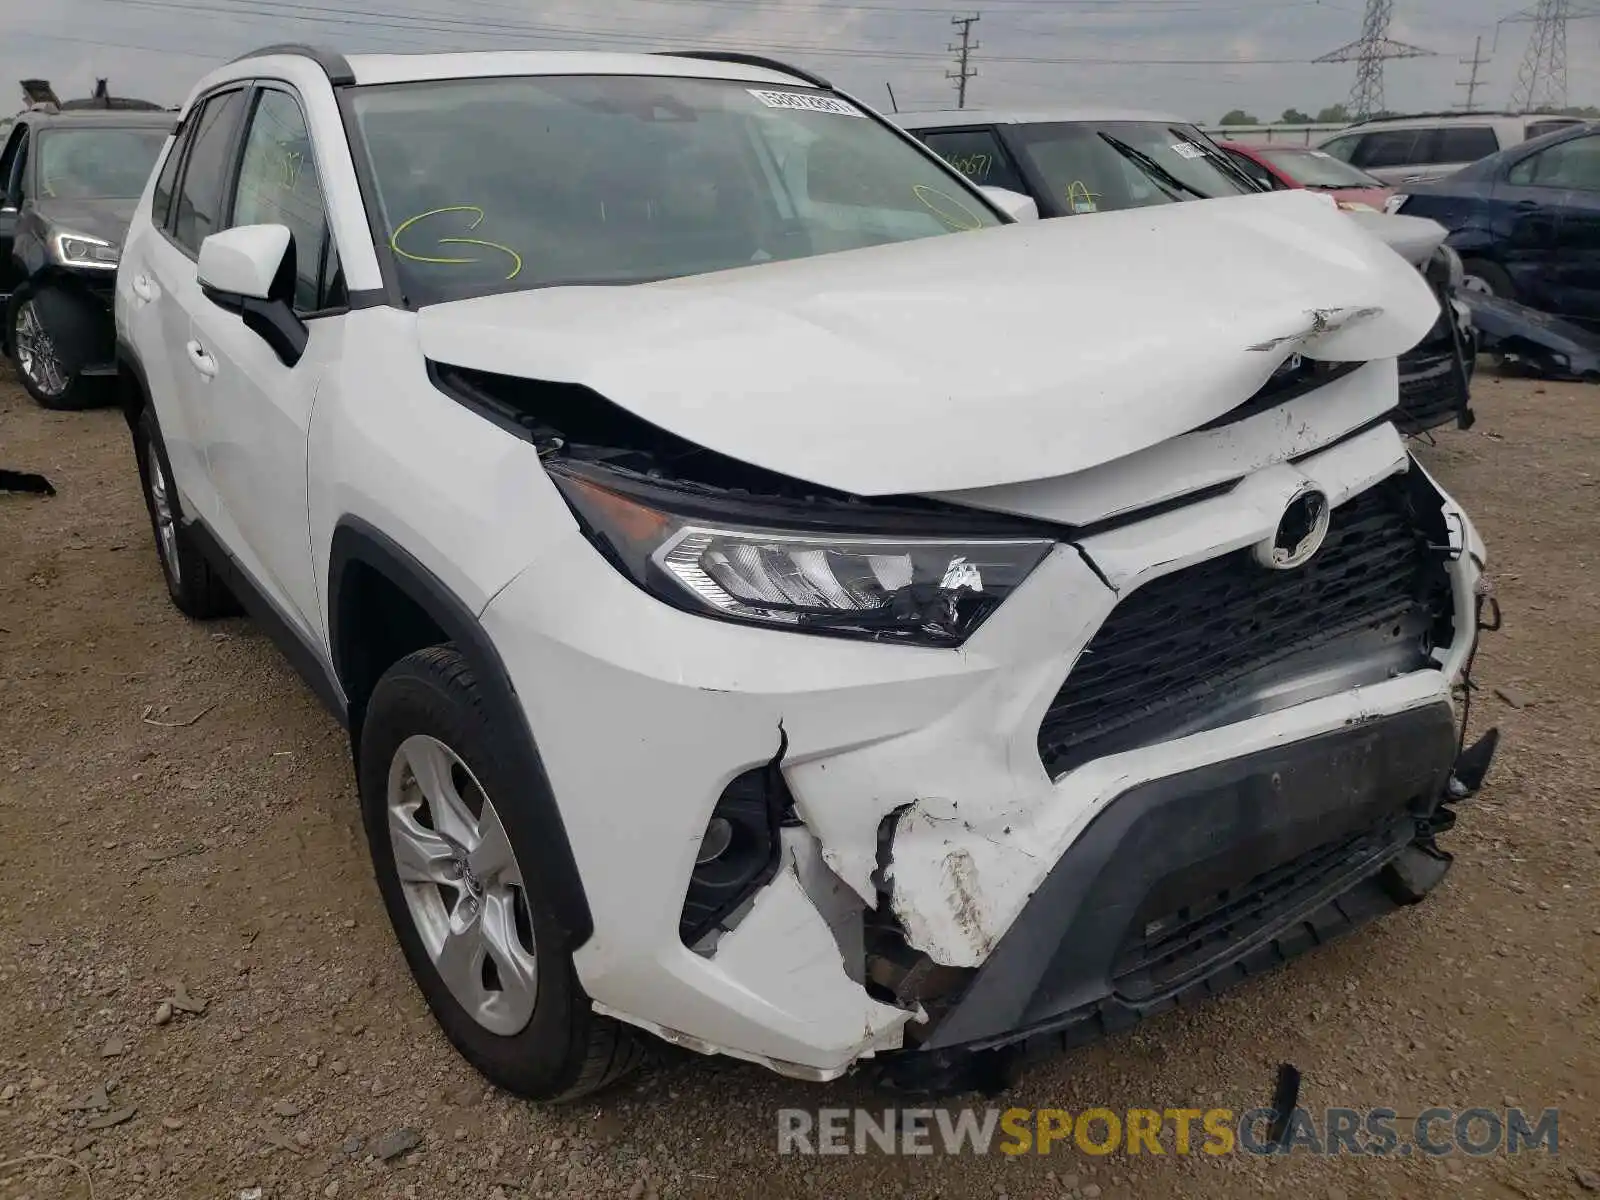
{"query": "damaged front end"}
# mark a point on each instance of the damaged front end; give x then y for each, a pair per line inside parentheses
(906, 710)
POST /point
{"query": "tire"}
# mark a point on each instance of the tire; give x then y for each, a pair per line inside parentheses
(195, 587)
(532, 1030)
(52, 334)
(1491, 276)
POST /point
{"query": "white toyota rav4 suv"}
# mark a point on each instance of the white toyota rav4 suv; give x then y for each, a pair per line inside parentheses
(779, 601)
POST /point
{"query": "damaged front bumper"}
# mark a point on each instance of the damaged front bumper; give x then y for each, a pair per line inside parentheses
(922, 802)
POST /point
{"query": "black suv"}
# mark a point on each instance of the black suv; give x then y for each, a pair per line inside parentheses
(71, 182)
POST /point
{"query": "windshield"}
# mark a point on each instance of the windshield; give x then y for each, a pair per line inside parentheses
(1314, 169)
(97, 164)
(1103, 166)
(496, 185)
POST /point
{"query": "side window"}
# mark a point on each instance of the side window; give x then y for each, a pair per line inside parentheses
(205, 175)
(161, 197)
(1258, 174)
(1342, 148)
(1574, 166)
(278, 186)
(1537, 129)
(10, 160)
(17, 181)
(1390, 148)
(977, 154)
(1463, 144)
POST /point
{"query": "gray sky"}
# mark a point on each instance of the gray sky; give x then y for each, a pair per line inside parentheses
(1219, 54)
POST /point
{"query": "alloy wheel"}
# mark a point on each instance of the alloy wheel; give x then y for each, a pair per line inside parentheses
(166, 522)
(462, 884)
(36, 352)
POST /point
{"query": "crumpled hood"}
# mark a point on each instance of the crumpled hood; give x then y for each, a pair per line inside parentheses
(1010, 354)
(105, 219)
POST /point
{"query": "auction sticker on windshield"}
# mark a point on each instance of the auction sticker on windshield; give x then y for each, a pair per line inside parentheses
(805, 102)
(1188, 150)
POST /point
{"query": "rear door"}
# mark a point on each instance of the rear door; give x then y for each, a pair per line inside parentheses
(260, 406)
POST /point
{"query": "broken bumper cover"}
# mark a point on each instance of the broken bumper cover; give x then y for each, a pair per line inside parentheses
(1190, 882)
(916, 774)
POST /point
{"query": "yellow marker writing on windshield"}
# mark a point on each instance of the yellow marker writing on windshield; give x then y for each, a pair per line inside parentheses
(966, 220)
(394, 239)
(1080, 199)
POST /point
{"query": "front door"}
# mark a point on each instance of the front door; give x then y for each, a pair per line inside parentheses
(260, 406)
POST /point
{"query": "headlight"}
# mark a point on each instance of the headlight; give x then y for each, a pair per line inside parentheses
(930, 591)
(1395, 203)
(81, 250)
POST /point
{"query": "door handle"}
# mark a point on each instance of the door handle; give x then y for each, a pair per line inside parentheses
(1527, 205)
(143, 288)
(202, 361)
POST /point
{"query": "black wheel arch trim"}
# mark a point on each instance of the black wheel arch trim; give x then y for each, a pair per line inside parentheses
(355, 541)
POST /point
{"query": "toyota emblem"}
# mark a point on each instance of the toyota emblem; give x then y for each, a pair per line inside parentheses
(1301, 531)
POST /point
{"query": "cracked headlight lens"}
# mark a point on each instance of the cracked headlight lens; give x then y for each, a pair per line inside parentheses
(926, 590)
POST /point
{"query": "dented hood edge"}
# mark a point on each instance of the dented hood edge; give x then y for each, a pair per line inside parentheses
(970, 360)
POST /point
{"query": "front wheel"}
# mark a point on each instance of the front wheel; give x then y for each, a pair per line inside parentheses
(475, 927)
(49, 329)
(1487, 279)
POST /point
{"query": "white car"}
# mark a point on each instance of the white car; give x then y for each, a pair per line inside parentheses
(1429, 146)
(778, 601)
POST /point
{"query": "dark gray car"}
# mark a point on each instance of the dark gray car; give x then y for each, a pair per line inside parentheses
(71, 182)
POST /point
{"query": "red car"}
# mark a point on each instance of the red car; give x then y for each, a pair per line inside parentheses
(1281, 167)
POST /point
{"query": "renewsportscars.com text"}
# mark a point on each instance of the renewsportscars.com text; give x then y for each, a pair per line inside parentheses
(1432, 1132)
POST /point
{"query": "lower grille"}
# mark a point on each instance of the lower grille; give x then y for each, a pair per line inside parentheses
(1184, 645)
(1431, 391)
(1163, 950)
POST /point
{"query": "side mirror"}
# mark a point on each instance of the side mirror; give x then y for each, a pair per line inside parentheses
(250, 270)
(245, 261)
(1014, 204)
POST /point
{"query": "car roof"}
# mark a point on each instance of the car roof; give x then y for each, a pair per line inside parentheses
(377, 69)
(1056, 116)
(1425, 120)
(102, 118)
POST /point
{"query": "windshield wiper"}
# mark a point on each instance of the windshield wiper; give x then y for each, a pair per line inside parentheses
(1151, 167)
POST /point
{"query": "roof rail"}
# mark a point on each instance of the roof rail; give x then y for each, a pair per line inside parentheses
(334, 65)
(749, 60)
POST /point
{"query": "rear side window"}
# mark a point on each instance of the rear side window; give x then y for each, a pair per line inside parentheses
(1537, 129)
(161, 197)
(1342, 148)
(205, 175)
(1462, 144)
(977, 154)
(1391, 148)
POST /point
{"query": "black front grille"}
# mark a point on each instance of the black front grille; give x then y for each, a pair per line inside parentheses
(1432, 390)
(1174, 649)
(1162, 950)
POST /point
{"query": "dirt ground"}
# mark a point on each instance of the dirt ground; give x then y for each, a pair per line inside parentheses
(177, 817)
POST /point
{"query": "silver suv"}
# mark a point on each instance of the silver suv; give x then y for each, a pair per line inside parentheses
(1433, 145)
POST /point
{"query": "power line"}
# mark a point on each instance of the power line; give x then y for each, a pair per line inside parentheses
(1369, 52)
(1471, 82)
(963, 72)
(1542, 77)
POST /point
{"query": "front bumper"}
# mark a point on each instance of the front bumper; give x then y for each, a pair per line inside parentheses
(1192, 881)
(916, 775)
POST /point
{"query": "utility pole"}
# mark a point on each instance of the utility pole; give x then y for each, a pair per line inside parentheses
(1542, 77)
(964, 49)
(1471, 82)
(1369, 52)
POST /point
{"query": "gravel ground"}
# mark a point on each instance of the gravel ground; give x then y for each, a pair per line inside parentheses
(199, 995)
